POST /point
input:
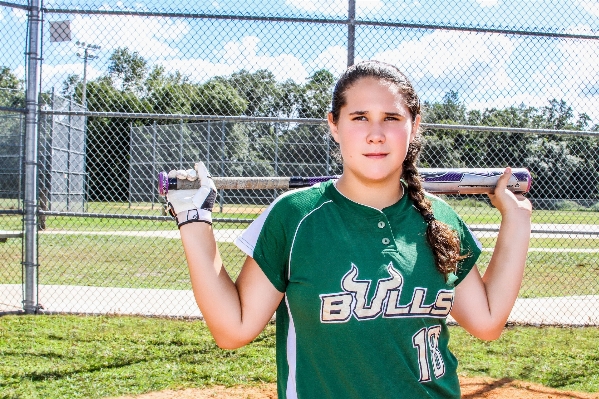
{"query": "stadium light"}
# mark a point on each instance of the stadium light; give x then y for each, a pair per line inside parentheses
(87, 52)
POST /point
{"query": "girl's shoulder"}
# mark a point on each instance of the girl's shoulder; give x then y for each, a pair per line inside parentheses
(298, 202)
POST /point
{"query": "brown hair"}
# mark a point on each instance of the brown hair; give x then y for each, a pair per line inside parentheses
(444, 242)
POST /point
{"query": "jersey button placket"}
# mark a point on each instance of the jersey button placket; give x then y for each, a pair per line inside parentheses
(381, 225)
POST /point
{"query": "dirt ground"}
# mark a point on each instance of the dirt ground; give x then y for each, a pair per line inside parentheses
(471, 388)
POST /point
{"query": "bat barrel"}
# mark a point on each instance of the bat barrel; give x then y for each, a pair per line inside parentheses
(473, 180)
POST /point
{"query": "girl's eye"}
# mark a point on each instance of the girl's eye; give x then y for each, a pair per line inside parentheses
(391, 118)
(359, 118)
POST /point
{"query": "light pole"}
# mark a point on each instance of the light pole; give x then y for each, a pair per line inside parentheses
(87, 52)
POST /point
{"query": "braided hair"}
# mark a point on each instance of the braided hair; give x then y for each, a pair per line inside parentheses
(444, 242)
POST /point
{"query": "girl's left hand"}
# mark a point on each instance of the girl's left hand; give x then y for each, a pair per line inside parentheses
(506, 201)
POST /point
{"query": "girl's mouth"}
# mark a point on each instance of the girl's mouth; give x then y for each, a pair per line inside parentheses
(375, 155)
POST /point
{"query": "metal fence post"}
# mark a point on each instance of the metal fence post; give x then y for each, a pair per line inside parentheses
(208, 147)
(181, 145)
(30, 259)
(154, 133)
(222, 163)
(131, 150)
(21, 151)
(68, 171)
(351, 31)
(275, 192)
(328, 171)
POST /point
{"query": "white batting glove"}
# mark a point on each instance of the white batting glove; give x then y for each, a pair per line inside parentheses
(190, 206)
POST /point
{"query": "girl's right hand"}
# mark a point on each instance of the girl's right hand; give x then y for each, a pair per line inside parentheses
(506, 201)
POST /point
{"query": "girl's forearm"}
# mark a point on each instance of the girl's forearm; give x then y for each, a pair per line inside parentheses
(503, 277)
(214, 291)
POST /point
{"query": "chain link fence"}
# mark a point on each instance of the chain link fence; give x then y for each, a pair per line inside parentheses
(125, 90)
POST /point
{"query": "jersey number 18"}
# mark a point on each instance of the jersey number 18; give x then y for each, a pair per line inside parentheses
(426, 341)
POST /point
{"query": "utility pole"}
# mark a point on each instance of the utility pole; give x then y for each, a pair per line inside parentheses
(87, 52)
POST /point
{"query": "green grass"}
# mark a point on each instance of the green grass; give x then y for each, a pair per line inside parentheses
(564, 358)
(550, 274)
(576, 243)
(108, 261)
(138, 262)
(93, 357)
(472, 211)
(472, 215)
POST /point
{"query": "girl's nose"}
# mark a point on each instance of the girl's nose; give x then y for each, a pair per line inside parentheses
(375, 134)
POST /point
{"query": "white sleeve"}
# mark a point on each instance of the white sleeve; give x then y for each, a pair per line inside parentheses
(248, 239)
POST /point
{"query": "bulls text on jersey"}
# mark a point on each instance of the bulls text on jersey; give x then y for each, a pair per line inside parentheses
(339, 307)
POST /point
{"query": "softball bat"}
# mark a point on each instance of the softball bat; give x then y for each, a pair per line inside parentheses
(435, 181)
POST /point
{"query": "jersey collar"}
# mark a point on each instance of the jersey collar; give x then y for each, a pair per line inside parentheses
(330, 191)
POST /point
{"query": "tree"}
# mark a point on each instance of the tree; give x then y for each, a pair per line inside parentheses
(317, 95)
(128, 69)
(557, 115)
(70, 85)
(217, 97)
(450, 110)
(11, 89)
(259, 89)
(444, 147)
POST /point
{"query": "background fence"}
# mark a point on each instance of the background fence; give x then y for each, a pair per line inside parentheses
(95, 99)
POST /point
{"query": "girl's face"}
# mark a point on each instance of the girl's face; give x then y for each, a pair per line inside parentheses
(374, 130)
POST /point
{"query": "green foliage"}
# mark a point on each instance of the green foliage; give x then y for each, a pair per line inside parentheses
(9, 80)
(562, 166)
(127, 69)
(316, 95)
(12, 92)
(217, 97)
(259, 89)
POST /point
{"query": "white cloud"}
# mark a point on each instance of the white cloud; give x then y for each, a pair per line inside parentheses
(576, 66)
(333, 59)
(572, 72)
(592, 7)
(58, 73)
(481, 60)
(20, 15)
(579, 104)
(334, 7)
(480, 67)
(487, 3)
(529, 100)
(236, 56)
(55, 75)
(149, 36)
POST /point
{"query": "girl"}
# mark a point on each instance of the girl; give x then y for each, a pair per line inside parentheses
(364, 270)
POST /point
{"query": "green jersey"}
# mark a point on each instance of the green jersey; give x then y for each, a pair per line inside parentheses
(364, 312)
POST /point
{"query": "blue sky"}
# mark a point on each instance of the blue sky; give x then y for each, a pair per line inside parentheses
(486, 69)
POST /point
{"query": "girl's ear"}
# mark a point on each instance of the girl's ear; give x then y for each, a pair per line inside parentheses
(332, 127)
(415, 127)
